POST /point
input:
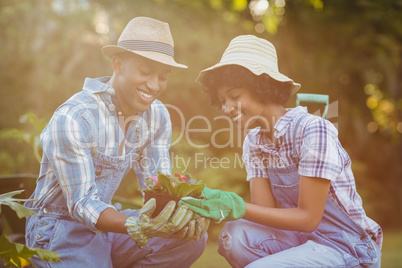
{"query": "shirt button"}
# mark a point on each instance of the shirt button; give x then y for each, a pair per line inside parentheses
(98, 171)
(45, 210)
(38, 236)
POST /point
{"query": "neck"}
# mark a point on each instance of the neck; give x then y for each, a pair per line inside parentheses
(126, 112)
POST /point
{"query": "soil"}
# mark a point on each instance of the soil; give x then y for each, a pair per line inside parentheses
(161, 201)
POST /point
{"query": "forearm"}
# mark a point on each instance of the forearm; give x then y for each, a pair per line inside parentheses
(111, 220)
(293, 219)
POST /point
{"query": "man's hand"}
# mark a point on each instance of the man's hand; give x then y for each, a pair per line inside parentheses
(194, 230)
(143, 227)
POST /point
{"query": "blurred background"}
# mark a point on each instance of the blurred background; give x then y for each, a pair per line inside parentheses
(349, 50)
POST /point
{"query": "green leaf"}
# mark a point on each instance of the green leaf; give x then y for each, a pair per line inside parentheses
(166, 183)
(15, 251)
(184, 189)
(8, 200)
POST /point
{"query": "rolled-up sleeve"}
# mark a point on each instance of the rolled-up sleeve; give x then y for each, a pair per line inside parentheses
(253, 157)
(67, 143)
(318, 154)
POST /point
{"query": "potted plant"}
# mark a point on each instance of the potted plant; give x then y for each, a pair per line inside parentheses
(165, 188)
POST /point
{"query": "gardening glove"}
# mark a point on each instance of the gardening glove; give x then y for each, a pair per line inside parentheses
(218, 205)
(179, 221)
(194, 230)
(143, 227)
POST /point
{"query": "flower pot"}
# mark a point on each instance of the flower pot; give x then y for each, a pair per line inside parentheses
(161, 201)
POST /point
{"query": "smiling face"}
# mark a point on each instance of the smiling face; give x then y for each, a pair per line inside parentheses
(241, 105)
(138, 82)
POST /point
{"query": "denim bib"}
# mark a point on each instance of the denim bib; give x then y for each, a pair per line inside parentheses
(352, 238)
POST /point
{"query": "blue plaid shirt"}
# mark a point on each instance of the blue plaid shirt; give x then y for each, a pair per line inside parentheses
(88, 124)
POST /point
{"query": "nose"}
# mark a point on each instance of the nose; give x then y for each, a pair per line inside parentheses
(227, 108)
(153, 83)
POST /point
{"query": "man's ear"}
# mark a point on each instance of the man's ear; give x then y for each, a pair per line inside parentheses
(117, 64)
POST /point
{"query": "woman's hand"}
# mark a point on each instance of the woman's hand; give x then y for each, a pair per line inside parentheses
(217, 205)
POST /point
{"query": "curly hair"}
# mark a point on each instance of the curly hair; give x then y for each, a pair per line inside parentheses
(268, 90)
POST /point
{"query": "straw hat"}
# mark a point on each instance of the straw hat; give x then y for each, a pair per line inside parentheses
(146, 37)
(255, 54)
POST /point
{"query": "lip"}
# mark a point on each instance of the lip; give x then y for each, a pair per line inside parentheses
(237, 117)
(145, 95)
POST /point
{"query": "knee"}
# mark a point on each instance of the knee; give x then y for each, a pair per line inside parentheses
(232, 239)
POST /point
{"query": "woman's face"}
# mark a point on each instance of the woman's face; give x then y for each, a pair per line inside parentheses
(241, 105)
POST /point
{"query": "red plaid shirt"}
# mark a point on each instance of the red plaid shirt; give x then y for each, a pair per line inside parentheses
(320, 155)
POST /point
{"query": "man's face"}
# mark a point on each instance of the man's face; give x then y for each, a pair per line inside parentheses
(139, 81)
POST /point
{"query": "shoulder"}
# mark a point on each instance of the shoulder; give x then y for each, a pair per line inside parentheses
(315, 125)
(80, 101)
(81, 109)
(251, 140)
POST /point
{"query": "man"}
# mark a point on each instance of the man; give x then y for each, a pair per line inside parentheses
(93, 139)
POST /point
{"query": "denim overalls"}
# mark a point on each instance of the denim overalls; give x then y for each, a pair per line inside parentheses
(337, 242)
(53, 228)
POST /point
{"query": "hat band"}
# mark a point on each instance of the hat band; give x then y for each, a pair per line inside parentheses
(139, 45)
(271, 64)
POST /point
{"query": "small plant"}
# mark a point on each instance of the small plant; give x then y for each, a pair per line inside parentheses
(15, 254)
(165, 188)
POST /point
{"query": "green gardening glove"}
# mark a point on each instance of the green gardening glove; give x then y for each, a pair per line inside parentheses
(217, 205)
(143, 227)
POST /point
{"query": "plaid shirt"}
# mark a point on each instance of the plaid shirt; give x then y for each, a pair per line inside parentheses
(88, 123)
(320, 155)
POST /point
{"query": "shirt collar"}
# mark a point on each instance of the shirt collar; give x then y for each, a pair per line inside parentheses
(284, 122)
(98, 85)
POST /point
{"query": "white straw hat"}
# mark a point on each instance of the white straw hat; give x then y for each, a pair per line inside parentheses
(148, 38)
(255, 54)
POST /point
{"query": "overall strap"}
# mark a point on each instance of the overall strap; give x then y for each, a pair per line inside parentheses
(295, 155)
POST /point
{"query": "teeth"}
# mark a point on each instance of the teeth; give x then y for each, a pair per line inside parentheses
(145, 95)
(237, 117)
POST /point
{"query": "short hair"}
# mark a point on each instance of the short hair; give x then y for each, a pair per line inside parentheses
(267, 89)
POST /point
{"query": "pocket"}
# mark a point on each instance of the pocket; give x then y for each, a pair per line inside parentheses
(287, 196)
(44, 230)
(361, 248)
(366, 252)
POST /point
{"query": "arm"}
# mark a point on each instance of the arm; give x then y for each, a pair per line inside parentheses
(260, 193)
(220, 205)
(111, 220)
(67, 142)
(306, 217)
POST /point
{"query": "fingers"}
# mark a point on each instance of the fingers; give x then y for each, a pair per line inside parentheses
(191, 231)
(181, 234)
(182, 216)
(206, 226)
(163, 217)
(202, 225)
(148, 208)
(199, 228)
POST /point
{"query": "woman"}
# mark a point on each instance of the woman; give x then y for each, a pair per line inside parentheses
(304, 210)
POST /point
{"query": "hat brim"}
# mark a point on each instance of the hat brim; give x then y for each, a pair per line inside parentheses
(256, 69)
(110, 51)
